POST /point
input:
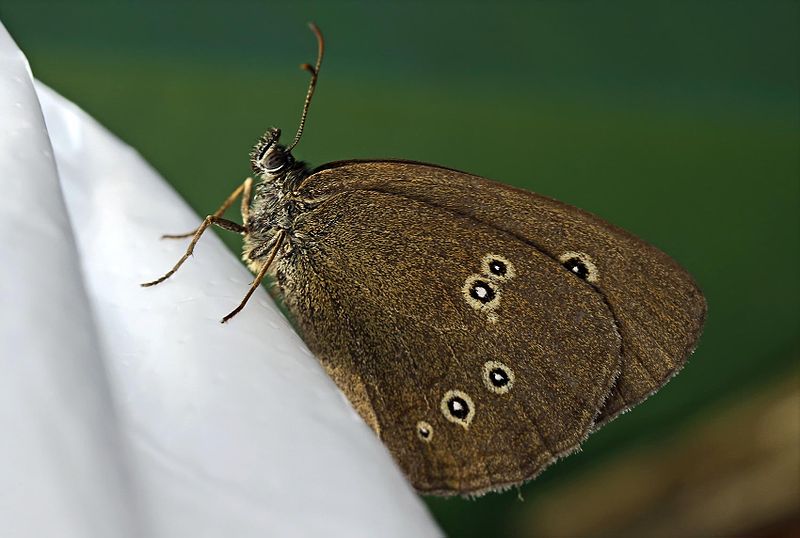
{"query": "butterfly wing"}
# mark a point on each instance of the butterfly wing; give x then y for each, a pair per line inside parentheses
(657, 307)
(475, 375)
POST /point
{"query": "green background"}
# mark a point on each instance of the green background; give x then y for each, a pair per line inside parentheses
(679, 121)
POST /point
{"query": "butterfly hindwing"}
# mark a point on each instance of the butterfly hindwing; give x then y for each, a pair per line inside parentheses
(410, 306)
(657, 306)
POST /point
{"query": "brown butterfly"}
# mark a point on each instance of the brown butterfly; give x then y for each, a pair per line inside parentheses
(481, 330)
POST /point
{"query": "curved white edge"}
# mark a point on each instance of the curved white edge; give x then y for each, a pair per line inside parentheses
(235, 429)
(62, 468)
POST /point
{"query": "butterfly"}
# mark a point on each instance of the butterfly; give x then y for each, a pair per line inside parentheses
(482, 331)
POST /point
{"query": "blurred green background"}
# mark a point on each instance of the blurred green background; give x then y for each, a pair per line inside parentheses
(679, 121)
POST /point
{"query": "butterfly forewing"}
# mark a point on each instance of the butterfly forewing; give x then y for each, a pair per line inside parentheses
(657, 307)
(476, 357)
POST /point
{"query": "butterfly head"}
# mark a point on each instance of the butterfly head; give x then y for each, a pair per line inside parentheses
(269, 158)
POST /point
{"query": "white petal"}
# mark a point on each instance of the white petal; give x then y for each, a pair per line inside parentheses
(62, 472)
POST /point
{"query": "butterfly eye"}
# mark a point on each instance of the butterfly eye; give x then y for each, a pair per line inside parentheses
(497, 377)
(497, 267)
(274, 161)
(264, 150)
(457, 407)
(424, 431)
(579, 264)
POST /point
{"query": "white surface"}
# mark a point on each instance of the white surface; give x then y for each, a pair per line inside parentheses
(62, 472)
(135, 412)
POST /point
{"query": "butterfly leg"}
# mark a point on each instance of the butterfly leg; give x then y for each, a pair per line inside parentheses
(245, 190)
(208, 221)
(257, 280)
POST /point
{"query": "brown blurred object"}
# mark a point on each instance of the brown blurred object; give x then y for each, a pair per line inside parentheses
(733, 472)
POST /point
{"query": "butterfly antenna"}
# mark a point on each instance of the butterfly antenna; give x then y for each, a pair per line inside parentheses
(312, 84)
